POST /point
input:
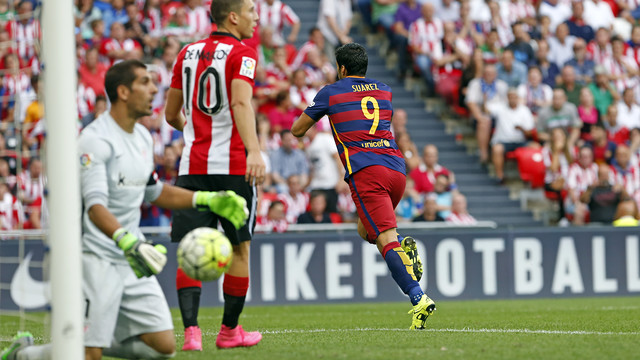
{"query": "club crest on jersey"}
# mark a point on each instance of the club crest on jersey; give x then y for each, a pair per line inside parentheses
(248, 67)
(85, 160)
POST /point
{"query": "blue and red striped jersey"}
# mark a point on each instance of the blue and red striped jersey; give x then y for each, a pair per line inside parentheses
(360, 112)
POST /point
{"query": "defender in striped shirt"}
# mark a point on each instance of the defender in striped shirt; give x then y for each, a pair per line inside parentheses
(360, 112)
(213, 78)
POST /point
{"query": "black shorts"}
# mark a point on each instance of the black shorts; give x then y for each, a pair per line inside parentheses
(188, 219)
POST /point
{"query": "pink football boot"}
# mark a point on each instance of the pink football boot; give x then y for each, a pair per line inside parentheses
(192, 339)
(236, 337)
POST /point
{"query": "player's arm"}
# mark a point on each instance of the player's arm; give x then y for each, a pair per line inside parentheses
(241, 94)
(300, 126)
(172, 111)
(224, 203)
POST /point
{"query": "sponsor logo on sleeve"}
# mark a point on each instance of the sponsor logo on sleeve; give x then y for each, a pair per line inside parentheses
(248, 67)
(85, 160)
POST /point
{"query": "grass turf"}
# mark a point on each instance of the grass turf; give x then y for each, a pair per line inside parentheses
(581, 328)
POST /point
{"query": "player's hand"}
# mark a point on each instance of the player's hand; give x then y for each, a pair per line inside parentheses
(255, 168)
(224, 203)
(145, 258)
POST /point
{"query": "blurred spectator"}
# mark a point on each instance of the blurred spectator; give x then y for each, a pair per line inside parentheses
(99, 108)
(534, 94)
(295, 200)
(346, 206)
(587, 112)
(491, 48)
(578, 27)
(98, 34)
(623, 70)
(278, 71)
(466, 27)
(558, 12)
(500, 23)
(383, 14)
(152, 18)
(326, 170)
(484, 96)
(459, 214)
(429, 210)
(197, 18)
(569, 85)
(522, 11)
(603, 148)
(275, 220)
(31, 182)
(92, 71)
(542, 30)
(514, 125)
(334, 21)
(409, 151)
(6, 176)
(119, 47)
(425, 175)
(399, 121)
(633, 45)
(548, 69)
(600, 47)
(616, 133)
(582, 174)
(114, 13)
(510, 70)
(316, 41)
(32, 131)
(283, 114)
(443, 195)
(448, 11)
(522, 50)
(561, 114)
(603, 197)
(582, 66)
(628, 110)
(451, 56)
(317, 213)
(561, 46)
(288, 160)
(178, 24)
(276, 14)
(407, 207)
(598, 14)
(136, 30)
(626, 172)
(85, 13)
(11, 212)
(25, 30)
(626, 215)
(424, 35)
(604, 93)
(474, 70)
(557, 157)
(300, 94)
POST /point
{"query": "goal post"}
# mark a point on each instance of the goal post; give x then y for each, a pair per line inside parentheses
(58, 54)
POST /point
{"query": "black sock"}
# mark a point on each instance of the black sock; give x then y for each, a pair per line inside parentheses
(232, 308)
(189, 300)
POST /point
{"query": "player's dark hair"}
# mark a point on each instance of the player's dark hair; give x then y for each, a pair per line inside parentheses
(220, 9)
(122, 73)
(353, 57)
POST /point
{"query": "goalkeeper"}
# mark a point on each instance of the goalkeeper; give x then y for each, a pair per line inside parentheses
(127, 315)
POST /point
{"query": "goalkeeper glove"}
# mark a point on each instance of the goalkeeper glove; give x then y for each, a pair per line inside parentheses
(145, 258)
(224, 203)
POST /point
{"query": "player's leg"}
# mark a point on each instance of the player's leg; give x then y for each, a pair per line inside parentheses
(236, 281)
(144, 329)
(189, 290)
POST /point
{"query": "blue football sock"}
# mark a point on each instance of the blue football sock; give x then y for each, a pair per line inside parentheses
(402, 271)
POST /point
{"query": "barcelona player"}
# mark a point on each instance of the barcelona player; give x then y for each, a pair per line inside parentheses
(360, 112)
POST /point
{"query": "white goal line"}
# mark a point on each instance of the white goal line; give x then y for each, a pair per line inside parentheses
(444, 330)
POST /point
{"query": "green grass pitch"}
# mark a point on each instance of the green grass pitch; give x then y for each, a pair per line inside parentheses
(591, 328)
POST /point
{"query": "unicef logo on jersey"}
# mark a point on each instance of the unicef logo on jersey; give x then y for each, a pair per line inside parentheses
(376, 144)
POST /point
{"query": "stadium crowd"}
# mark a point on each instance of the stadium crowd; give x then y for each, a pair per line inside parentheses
(558, 77)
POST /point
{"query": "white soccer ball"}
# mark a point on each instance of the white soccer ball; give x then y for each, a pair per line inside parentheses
(205, 254)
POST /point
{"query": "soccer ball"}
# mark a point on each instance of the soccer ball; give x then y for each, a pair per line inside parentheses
(204, 254)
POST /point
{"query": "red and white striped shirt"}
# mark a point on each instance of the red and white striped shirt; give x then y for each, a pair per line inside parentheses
(204, 71)
(426, 36)
(276, 16)
(633, 52)
(113, 44)
(629, 178)
(11, 213)
(301, 57)
(598, 54)
(31, 188)
(619, 69)
(26, 36)
(153, 22)
(580, 178)
(86, 100)
(295, 206)
(198, 20)
(520, 9)
(461, 219)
